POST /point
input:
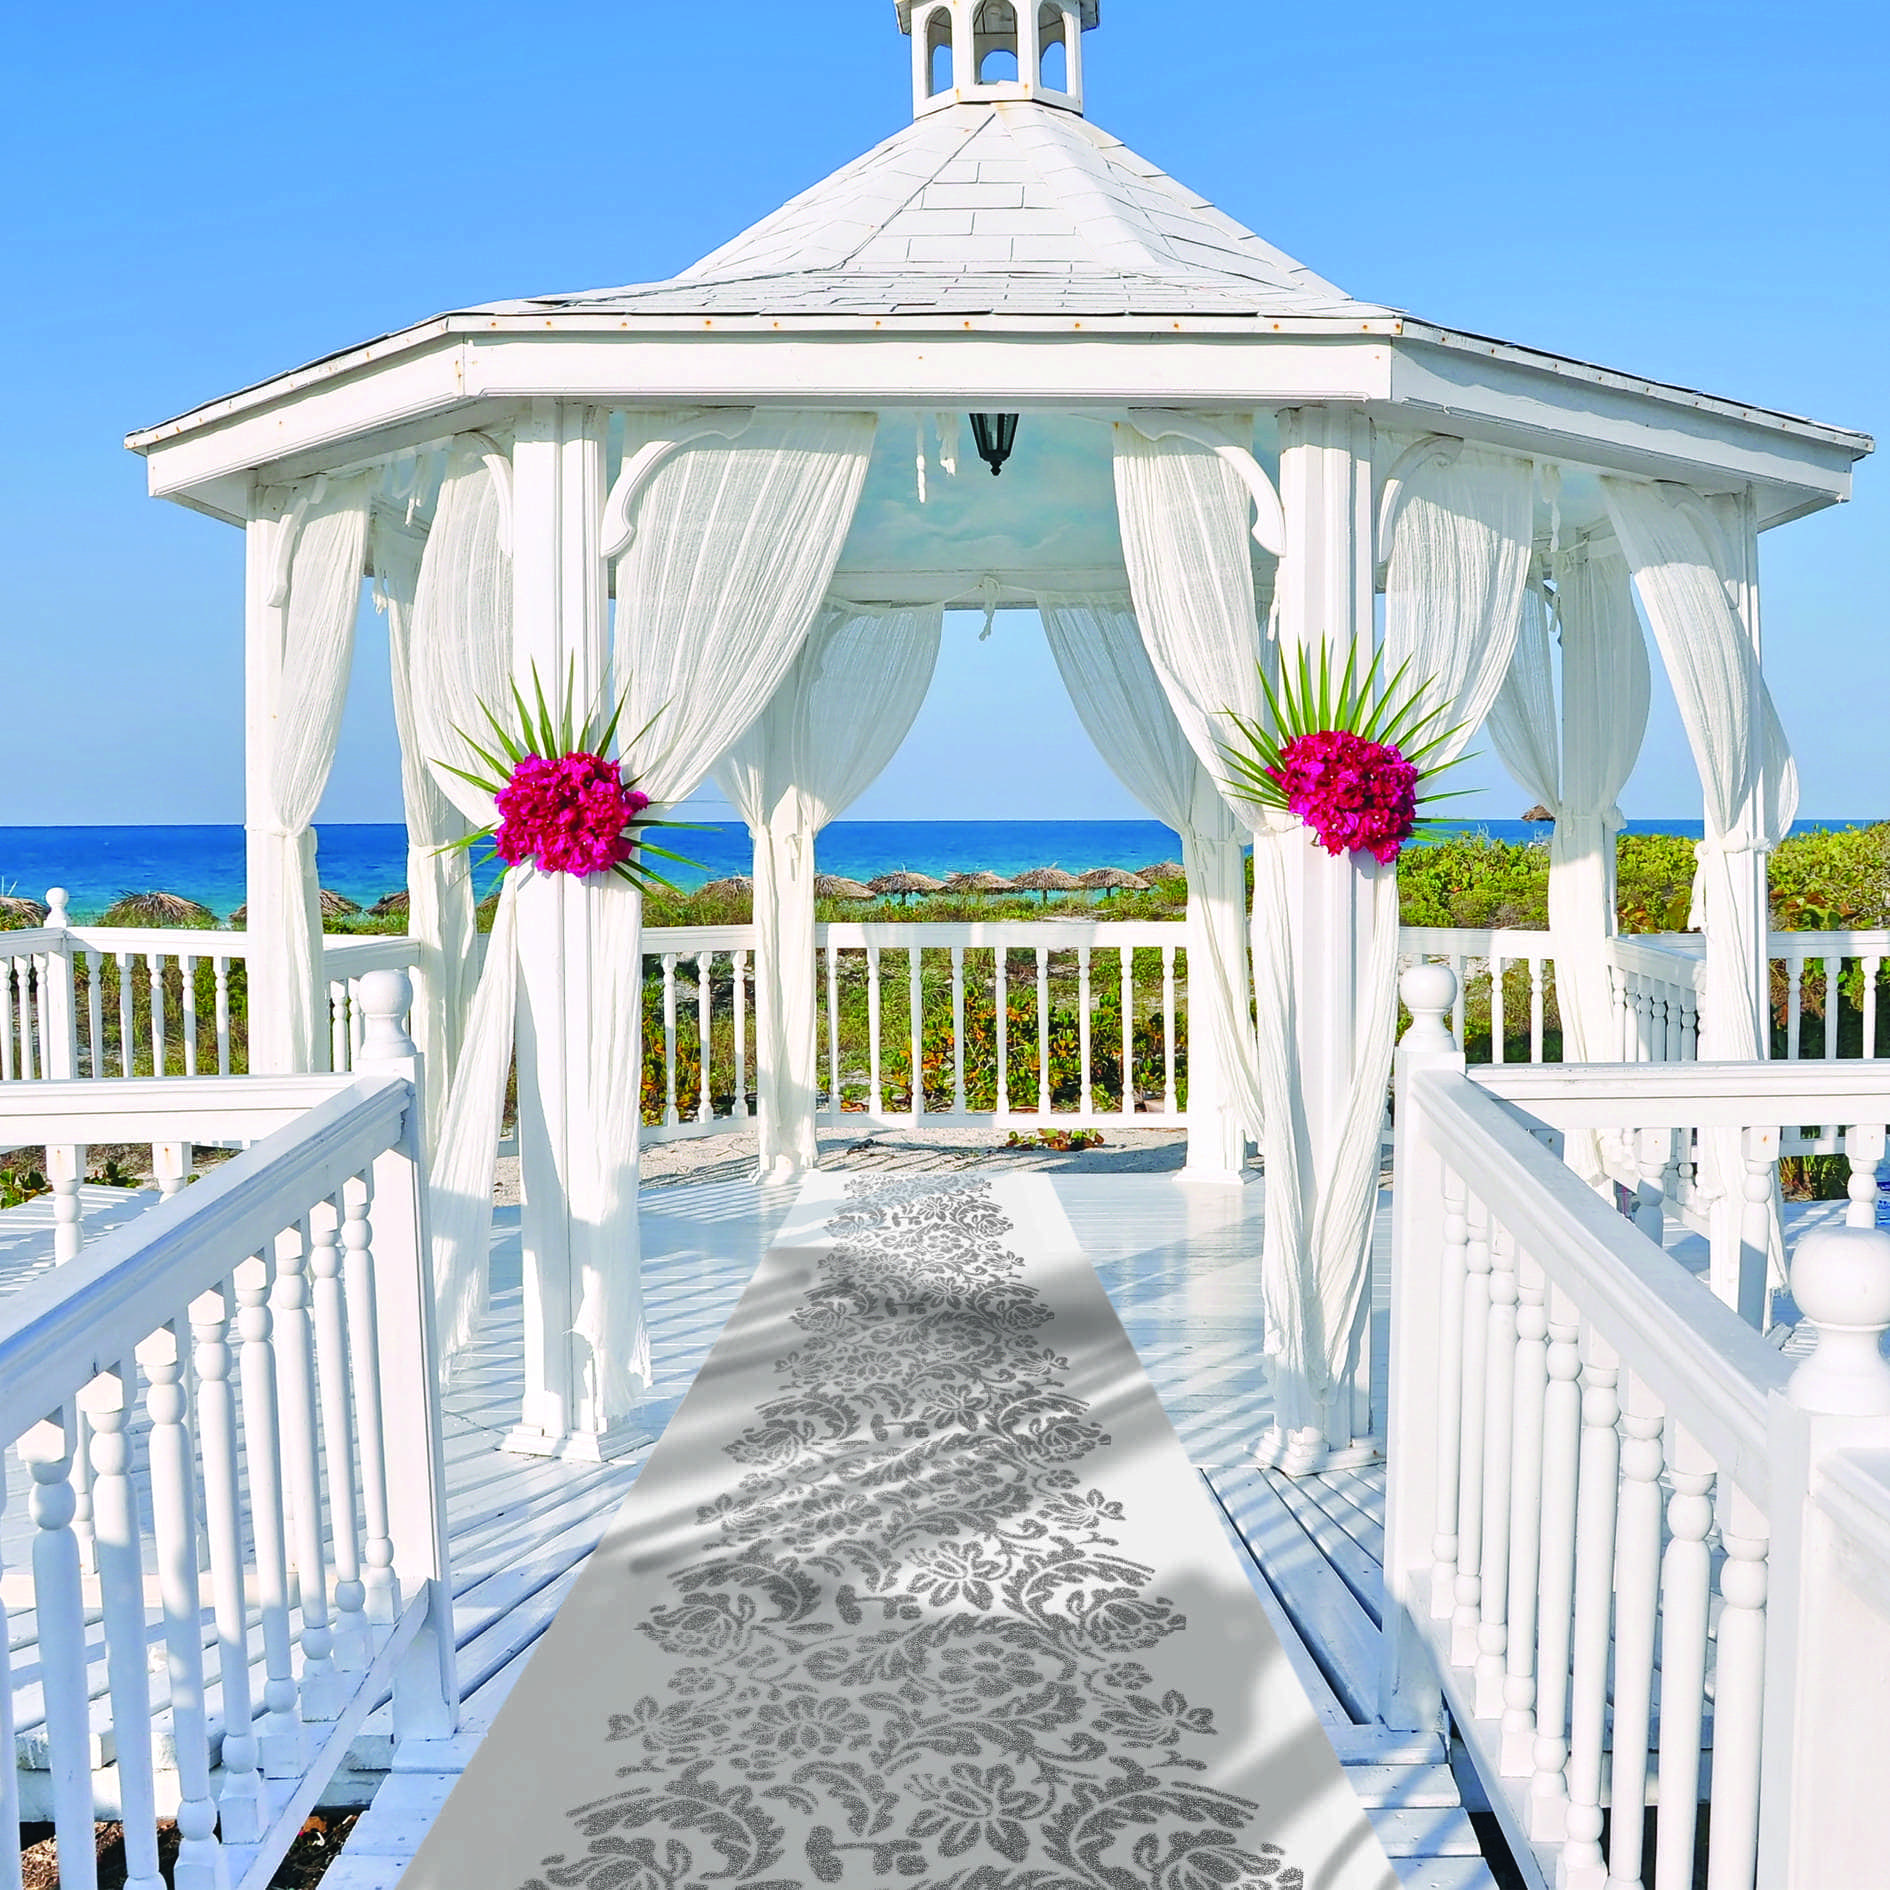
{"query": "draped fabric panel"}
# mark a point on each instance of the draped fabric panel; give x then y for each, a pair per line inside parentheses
(1576, 761)
(1183, 512)
(735, 543)
(458, 654)
(838, 717)
(1123, 707)
(327, 534)
(1747, 773)
(440, 920)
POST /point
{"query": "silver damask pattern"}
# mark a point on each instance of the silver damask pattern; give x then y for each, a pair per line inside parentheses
(910, 1652)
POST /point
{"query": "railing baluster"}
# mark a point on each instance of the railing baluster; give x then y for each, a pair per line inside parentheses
(1599, 1488)
(127, 1016)
(187, 968)
(915, 1014)
(1459, 1009)
(1476, 1335)
(155, 964)
(323, 1689)
(876, 1101)
(1082, 1026)
(1833, 997)
(1450, 1397)
(11, 1876)
(1043, 1031)
(1001, 1000)
(1738, 1694)
(1499, 1410)
(1169, 1102)
(200, 1863)
(1498, 1028)
(705, 1033)
(1561, 1451)
(6, 1021)
(353, 1645)
(239, 1801)
(1636, 1604)
(1128, 1032)
(1535, 1010)
(382, 1596)
(357, 1022)
(833, 1028)
(95, 1013)
(1686, 1580)
(738, 970)
(958, 1029)
(279, 1741)
(1525, 1520)
(1794, 1003)
(119, 1544)
(670, 1114)
(47, 1450)
(221, 968)
(337, 1024)
(1873, 967)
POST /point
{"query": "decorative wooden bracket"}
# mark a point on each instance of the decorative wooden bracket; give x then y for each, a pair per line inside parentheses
(619, 527)
(1269, 516)
(1435, 449)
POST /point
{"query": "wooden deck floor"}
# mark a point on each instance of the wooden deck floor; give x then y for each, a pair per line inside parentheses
(1179, 1264)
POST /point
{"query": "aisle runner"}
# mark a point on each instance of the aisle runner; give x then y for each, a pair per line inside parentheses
(918, 1589)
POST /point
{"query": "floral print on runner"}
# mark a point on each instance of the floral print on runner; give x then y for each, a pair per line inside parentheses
(912, 1651)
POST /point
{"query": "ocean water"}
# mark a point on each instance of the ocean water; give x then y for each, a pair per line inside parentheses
(98, 864)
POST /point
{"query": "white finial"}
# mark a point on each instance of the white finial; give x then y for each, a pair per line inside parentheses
(1841, 1281)
(969, 51)
(56, 908)
(1428, 992)
(385, 999)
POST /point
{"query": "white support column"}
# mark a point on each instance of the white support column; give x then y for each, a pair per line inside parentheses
(560, 624)
(1325, 594)
(270, 1049)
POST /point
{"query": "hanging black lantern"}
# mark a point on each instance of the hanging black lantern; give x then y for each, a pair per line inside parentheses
(995, 434)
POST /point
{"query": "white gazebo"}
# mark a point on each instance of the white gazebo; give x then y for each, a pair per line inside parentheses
(746, 496)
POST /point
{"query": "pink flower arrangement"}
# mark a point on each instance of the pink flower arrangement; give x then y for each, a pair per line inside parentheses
(1355, 794)
(567, 814)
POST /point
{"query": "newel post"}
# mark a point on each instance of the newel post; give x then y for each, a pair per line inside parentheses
(1824, 1815)
(426, 1687)
(1415, 1502)
(59, 1053)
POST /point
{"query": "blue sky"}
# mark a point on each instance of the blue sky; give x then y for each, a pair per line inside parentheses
(200, 196)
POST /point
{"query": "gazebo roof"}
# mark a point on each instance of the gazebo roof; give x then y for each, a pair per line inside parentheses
(1008, 207)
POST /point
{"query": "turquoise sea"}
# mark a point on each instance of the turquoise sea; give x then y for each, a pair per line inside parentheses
(98, 864)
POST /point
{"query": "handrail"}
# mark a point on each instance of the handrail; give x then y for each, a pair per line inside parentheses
(1475, 941)
(1712, 1369)
(65, 1327)
(1694, 1095)
(160, 1108)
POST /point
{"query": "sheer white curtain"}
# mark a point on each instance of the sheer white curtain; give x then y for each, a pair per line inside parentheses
(735, 543)
(459, 654)
(439, 884)
(1575, 760)
(1676, 551)
(320, 568)
(828, 731)
(1122, 705)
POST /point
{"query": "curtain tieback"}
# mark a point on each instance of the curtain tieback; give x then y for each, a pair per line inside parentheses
(1740, 839)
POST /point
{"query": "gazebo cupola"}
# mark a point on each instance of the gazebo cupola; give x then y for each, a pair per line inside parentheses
(972, 51)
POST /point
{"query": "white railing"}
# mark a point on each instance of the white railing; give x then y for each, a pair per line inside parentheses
(1821, 965)
(1483, 959)
(1583, 1441)
(225, 1413)
(1657, 982)
(125, 1001)
(892, 996)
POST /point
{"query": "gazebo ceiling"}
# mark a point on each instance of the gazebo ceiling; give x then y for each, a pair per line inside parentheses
(1000, 253)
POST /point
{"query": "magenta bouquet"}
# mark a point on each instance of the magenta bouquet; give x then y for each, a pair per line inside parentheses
(1346, 760)
(563, 806)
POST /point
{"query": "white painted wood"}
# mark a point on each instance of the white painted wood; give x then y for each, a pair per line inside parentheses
(1637, 1596)
(352, 1644)
(1525, 1519)
(1685, 1592)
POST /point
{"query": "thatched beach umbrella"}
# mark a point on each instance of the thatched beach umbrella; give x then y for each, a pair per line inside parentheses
(157, 908)
(337, 905)
(16, 910)
(979, 882)
(830, 886)
(734, 884)
(1110, 879)
(1044, 880)
(396, 905)
(904, 884)
(1161, 870)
